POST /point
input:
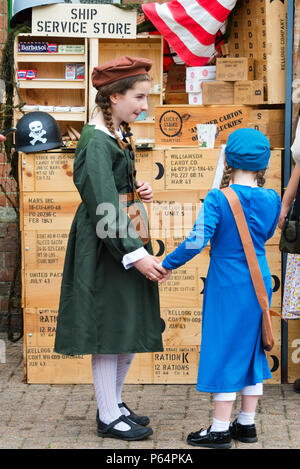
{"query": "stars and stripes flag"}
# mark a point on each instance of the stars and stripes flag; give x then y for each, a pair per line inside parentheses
(190, 26)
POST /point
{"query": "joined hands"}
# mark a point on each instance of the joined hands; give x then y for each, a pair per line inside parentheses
(152, 268)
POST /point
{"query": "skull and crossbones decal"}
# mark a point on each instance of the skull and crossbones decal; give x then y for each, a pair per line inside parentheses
(37, 132)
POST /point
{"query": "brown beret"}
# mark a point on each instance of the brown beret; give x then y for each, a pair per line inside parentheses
(121, 67)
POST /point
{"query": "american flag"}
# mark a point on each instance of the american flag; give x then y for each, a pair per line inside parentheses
(190, 26)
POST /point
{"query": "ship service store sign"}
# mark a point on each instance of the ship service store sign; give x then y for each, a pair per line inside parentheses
(93, 21)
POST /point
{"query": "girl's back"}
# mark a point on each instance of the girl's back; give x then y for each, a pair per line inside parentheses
(261, 207)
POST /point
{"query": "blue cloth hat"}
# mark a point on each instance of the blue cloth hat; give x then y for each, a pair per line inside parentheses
(247, 149)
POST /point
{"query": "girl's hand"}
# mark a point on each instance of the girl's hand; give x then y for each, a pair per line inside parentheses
(151, 267)
(166, 276)
(283, 214)
(145, 191)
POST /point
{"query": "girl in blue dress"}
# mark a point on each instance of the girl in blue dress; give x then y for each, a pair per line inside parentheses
(232, 357)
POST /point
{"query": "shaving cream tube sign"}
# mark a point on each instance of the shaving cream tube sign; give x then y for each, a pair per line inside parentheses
(84, 20)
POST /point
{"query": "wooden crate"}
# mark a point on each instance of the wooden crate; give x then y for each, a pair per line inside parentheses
(190, 169)
(176, 126)
(44, 249)
(175, 365)
(182, 326)
(41, 364)
(49, 210)
(47, 171)
(252, 35)
(150, 166)
(149, 46)
(174, 210)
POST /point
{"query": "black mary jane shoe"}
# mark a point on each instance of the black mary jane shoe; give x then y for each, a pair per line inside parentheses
(140, 419)
(217, 440)
(243, 433)
(136, 432)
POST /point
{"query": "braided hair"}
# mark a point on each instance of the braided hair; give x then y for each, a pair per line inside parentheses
(260, 177)
(227, 176)
(228, 173)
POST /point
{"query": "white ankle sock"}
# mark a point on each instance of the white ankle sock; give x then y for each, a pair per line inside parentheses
(104, 369)
(219, 426)
(245, 418)
(123, 365)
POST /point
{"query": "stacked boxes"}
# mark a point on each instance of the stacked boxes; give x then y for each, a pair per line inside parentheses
(258, 30)
(195, 77)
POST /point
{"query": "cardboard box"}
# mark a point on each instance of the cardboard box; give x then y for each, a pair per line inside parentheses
(218, 92)
(176, 79)
(249, 92)
(177, 98)
(235, 69)
(196, 98)
(207, 72)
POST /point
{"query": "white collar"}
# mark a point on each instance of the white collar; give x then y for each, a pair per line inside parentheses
(105, 129)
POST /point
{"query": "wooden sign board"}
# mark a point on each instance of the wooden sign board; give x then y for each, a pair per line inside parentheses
(90, 21)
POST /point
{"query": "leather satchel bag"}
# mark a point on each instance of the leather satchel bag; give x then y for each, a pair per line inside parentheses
(290, 235)
(134, 210)
(256, 275)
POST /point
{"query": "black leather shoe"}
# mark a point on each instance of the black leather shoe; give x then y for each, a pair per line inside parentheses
(136, 432)
(244, 433)
(297, 386)
(221, 440)
(140, 419)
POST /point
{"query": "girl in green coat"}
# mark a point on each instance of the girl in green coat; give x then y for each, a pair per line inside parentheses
(109, 303)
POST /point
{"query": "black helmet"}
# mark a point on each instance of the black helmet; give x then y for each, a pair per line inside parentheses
(37, 131)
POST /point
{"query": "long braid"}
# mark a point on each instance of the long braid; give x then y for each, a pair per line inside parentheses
(127, 131)
(227, 175)
(104, 104)
(260, 177)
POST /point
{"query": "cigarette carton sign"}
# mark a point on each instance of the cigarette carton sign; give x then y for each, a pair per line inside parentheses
(84, 20)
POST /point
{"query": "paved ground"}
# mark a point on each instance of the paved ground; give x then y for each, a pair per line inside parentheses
(63, 416)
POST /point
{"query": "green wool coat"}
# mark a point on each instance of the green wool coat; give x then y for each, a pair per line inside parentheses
(103, 307)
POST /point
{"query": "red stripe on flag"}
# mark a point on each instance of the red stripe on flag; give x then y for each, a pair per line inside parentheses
(180, 16)
(184, 53)
(215, 9)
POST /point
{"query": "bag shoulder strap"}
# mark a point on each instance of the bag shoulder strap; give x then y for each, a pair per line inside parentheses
(296, 208)
(250, 253)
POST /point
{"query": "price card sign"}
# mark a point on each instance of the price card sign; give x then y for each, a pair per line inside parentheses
(93, 21)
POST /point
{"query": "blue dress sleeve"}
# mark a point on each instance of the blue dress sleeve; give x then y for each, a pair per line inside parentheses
(277, 204)
(203, 230)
